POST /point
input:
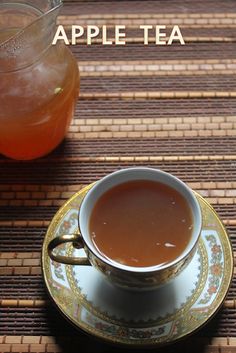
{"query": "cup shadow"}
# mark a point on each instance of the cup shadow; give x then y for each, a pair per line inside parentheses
(134, 307)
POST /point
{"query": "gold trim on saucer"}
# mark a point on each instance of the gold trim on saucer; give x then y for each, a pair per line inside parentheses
(209, 293)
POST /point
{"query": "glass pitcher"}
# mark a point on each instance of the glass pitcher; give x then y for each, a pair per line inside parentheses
(39, 82)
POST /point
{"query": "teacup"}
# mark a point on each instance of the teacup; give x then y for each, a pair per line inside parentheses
(126, 276)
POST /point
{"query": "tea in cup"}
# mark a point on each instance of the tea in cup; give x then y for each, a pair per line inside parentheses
(138, 226)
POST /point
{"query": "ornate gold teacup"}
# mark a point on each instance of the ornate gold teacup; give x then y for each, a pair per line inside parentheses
(136, 278)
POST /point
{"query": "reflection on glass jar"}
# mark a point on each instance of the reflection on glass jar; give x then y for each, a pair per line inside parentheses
(39, 83)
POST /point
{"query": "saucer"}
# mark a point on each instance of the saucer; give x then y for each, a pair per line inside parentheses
(140, 319)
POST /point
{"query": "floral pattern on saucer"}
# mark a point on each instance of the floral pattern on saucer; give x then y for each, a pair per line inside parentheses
(140, 319)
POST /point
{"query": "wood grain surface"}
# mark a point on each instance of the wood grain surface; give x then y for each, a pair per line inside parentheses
(170, 107)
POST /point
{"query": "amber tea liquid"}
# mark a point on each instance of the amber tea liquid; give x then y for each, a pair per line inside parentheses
(141, 223)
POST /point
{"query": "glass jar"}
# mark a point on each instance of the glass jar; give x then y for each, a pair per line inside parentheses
(39, 82)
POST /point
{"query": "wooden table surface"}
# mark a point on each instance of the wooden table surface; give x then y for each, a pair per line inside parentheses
(168, 107)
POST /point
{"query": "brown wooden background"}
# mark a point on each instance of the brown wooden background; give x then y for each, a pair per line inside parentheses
(171, 107)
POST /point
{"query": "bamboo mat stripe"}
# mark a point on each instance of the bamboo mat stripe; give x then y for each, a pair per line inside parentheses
(147, 134)
(35, 344)
(150, 19)
(130, 7)
(150, 73)
(203, 108)
(22, 256)
(162, 147)
(158, 94)
(133, 130)
(158, 69)
(57, 348)
(20, 262)
(140, 158)
(217, 83)
(138, 40)
(29, 292)
(160, 16)
(151, 127)
(227, 62)
(87, 172)
(134, 26)
(131, 54)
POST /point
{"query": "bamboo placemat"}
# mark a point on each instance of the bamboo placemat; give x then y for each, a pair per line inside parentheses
(171, 107)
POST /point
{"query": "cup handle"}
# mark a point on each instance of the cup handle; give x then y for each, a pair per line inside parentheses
(77, 242)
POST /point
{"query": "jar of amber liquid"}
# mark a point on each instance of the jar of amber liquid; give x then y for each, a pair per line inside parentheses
(39, 82)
